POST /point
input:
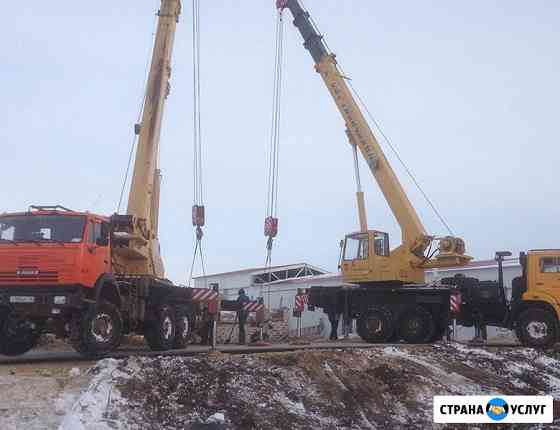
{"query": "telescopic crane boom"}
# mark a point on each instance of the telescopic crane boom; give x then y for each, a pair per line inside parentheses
(140, 253)
(92, 278)
(367, 256)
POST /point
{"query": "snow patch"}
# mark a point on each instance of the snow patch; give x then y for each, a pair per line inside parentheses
(218, 417)
(93, 409)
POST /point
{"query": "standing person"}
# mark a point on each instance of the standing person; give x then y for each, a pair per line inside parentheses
(333, 315)
(347, 325)
(322, 327)
(242, 315)
(207, 328)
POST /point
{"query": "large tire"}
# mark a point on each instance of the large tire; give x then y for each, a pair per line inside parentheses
(160, 330)
(537, 328)
(98, 331)
(417, 326)
(376, 326)
(18, 336)
(183, 327)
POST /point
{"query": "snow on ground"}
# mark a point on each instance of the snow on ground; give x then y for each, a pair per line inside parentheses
(36, 397)
(377, 388)
(99, 406)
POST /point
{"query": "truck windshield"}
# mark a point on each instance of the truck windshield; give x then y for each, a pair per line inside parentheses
(34, 228)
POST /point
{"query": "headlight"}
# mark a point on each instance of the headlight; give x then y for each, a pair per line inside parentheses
(59, 300)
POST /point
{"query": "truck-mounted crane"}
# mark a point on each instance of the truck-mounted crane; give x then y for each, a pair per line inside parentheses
(391, 300)
(94, 278)
(393, 294)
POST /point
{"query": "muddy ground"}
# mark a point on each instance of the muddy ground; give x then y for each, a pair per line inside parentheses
(379, 388)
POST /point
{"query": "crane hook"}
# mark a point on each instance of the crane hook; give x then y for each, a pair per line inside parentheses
(281, 4)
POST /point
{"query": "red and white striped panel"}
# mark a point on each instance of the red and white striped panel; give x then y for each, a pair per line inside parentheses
(253, 307)
(203, 295)
(301, 301)
(455, 303)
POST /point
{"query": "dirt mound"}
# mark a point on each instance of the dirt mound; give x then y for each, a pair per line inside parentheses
(384, 387)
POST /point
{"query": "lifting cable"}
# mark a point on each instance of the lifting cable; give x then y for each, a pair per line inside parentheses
(406, 168)
(385, 137)
(271, 217)
(198, 213)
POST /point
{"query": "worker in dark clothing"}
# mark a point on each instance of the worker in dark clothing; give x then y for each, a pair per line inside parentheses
(333, 315)
(242, 315)
(207, 332)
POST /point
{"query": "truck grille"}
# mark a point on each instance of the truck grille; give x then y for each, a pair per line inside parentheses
(13, 277)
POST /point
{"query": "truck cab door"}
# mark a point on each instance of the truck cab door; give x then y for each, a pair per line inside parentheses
(546, 274)
(97, 254)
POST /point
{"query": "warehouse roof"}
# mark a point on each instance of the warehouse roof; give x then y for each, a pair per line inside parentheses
(264, 270)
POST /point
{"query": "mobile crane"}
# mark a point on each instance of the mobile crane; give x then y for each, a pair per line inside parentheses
(391, 300)
(94, 278)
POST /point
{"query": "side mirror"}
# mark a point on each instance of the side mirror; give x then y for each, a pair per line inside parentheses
(104, 239)
(501, 254)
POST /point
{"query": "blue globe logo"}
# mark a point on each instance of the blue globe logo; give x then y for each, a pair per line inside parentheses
(497, 409)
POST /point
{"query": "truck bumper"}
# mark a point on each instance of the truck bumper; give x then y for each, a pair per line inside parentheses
(42, 301)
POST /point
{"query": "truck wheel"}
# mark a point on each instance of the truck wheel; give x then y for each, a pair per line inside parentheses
(98, 331)
(375, 326)
(183, 328)
(416, 326)
(160, 331)
(18, 336)
(537, 328)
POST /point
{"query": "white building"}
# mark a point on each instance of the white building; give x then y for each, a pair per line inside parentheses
(256, 281)
(277, 285)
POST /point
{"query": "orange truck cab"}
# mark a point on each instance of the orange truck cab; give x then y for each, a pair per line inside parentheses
(58, 275)
(52, 246)
(51, 260)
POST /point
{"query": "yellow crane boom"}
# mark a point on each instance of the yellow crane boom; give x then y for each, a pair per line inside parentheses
(373, 261)
(141, 254)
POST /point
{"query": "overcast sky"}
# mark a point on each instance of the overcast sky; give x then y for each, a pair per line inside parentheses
(467, 91)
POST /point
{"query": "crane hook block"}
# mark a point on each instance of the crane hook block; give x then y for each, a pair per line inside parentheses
(281, 4)
(270, 226)
(198, 216)
(199, 234)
